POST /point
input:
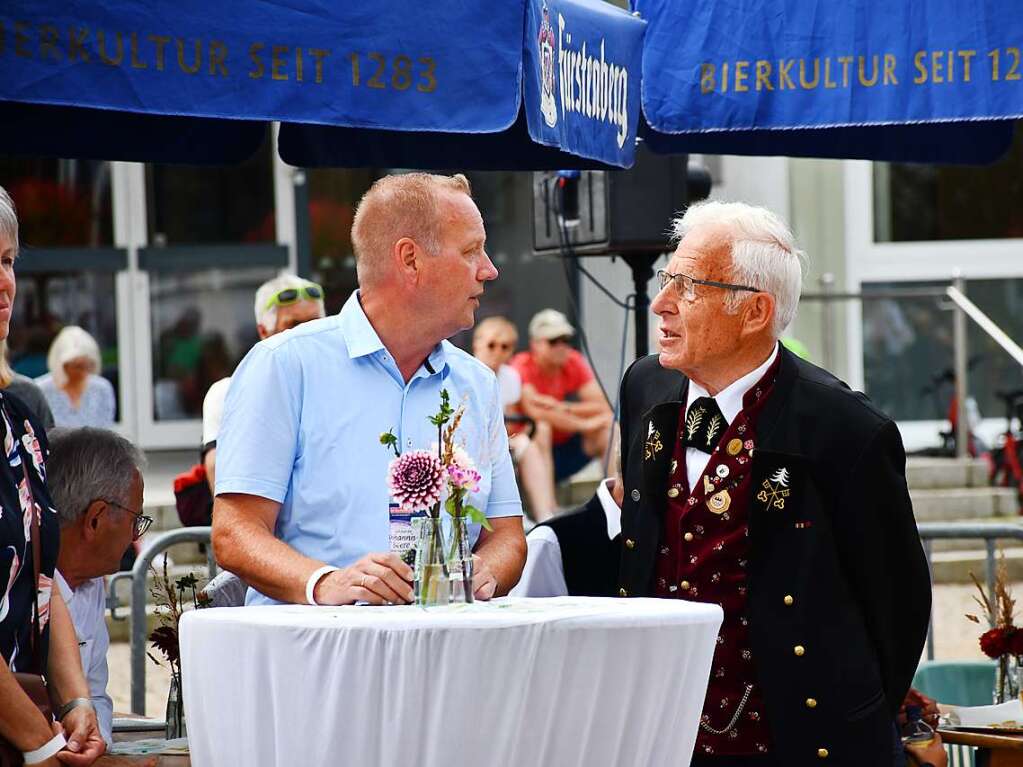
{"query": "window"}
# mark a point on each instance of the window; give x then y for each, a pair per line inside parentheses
(914, 202)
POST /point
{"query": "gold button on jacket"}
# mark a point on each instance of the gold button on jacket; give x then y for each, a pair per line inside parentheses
(629, 543)
(811, 703)
(799, 650)
(688, 537)
(822, 753)
(788, 600)
(684, 585)
(623, 593)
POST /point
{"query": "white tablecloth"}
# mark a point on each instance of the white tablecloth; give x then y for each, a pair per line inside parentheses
(518, 682)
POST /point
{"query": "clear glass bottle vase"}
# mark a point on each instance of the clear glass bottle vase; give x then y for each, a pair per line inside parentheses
(460, 561)
(175, 709)
(1007, 679)
(431, 572)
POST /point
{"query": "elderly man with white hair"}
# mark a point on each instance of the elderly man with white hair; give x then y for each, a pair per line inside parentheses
(282, 303)
(759, 482)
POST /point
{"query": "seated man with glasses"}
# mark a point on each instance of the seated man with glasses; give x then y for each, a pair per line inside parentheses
(560, 392)
(95, 480)
(282, 303)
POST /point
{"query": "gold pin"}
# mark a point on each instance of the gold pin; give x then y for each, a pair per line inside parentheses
(734, 446)
(719, 502)
(673, 493)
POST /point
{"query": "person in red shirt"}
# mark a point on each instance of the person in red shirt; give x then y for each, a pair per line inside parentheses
(560, 393)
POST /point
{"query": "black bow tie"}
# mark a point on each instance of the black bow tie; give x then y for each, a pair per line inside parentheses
(704, 424)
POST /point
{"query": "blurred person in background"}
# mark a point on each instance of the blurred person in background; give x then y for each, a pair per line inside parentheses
(281, 304)
(493, 344)
(76, 393)
(36, 632)
(25, 389)
(560, 390)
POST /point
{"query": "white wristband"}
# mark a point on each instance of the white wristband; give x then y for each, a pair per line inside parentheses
(310, 585)
(45, 751)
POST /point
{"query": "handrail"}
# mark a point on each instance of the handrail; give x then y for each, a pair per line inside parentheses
(964, 530)
(138, 601)
(986, 323)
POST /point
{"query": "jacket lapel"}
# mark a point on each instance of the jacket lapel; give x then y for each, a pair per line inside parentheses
(660, 431)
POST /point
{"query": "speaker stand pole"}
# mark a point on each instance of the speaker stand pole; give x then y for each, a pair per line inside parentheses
(642, 265)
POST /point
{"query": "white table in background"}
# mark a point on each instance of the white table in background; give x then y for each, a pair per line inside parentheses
(564, 681)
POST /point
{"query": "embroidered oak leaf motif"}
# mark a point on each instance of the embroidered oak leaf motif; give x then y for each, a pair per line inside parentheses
(712, 428)
(693, 421)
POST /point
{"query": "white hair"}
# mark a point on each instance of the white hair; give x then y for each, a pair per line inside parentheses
(267, 317)
(8, 218)
(71, 343)
(764, 254)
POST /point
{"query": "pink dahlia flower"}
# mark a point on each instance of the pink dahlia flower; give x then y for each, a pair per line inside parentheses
(416, 479)
(464, 479)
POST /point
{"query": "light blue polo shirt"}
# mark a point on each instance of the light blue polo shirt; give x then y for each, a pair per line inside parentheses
(302, 425)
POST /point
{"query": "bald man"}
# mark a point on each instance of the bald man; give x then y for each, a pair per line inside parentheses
(301, 509)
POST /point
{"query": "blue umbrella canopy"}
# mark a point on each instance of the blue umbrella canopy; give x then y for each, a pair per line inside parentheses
(398, 83)
(919, 80)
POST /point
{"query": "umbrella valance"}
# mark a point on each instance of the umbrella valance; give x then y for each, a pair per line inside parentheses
(917, 80)
(402, 66)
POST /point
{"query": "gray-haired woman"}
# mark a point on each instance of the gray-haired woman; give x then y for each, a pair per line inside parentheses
(36, 632)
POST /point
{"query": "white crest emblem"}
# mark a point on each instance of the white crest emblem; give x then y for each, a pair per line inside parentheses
(545, 44)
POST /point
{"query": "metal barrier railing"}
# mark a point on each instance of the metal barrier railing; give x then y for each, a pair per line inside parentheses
(138, 576)
(931, 531)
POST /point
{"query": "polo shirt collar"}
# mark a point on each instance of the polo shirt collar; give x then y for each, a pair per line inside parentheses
(362, 340)
(612, 512)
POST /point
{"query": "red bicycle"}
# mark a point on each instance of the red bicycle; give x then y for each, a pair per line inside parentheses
(1007, 458)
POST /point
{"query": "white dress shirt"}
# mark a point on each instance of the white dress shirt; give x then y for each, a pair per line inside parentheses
(87, 605)
(729, 401)
(544, 572)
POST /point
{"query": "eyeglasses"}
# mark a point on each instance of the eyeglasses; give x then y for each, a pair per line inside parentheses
(505, 347)
(141, 523)
(289, 296)
(686, 285)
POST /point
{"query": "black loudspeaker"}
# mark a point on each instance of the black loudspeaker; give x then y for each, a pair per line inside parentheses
(599, 213)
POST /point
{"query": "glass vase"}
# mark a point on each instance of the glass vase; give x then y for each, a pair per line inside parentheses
(175, 709)
(1007, 678)
(431, 573)
(460, 562)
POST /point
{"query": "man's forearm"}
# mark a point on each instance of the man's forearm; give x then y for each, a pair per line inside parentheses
(247, 547)
(504, 551)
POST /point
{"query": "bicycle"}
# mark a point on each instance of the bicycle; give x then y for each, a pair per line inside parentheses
(1007, 457)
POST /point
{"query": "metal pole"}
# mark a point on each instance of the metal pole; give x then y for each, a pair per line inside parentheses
(827, 282)
(138, 605)
(642, 265)
(959, 339)
(929, 553)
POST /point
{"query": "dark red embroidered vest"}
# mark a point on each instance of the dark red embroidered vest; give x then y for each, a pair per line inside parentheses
(703, 557)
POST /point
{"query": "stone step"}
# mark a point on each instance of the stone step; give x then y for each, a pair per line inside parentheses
(963, 503)
(956, 566)
(936, 473)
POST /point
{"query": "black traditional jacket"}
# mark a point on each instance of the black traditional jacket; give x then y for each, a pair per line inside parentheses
(839, 592)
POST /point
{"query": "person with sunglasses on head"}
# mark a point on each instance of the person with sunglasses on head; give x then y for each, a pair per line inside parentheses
(95, 479)
(561, 394)
(759, 482)
(493, 344)
(302, 504)
(282, 303)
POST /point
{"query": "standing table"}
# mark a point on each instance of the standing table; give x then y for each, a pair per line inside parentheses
(566, 681)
